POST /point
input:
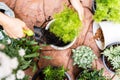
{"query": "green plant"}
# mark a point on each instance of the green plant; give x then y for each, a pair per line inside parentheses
(92, 75)
(113, 55)
(83, 57)
(66, 25)
(107, 10)
(17, 55)
(54, 73)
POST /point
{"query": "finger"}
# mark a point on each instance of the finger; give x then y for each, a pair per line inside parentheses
(25, 28)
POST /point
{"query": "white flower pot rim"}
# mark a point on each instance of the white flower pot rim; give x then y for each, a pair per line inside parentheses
(103, 59)
(57, 47)
(110, 32)
(8, 11)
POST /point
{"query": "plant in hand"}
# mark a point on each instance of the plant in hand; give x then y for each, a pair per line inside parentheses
(83, 56)
(52, 73)
(107, 10)
(16, 55)
(66, 25)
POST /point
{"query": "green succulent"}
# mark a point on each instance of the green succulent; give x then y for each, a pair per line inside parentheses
(52, 73)
(83, 56)
(92, 75)
(107, 10)
(113, 55)
(66, 25)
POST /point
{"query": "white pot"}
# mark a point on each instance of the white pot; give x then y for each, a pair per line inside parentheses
(8, 11)
(111, 33)
(57, 47)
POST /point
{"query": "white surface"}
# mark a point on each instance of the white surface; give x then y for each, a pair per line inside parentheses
(111, 33)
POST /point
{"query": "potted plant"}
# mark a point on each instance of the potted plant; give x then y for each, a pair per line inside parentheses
(106, 22)
(110, 58)
(83, 56)
(63, 30)
(91, 75)
(52, 73)
(16, 55)
(6, 10)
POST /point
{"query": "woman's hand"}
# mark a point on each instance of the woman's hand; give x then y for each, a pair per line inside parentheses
(13, 26)
(78, 7)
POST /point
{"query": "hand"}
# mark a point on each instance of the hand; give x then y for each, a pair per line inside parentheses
(79, 8)
(14, 28)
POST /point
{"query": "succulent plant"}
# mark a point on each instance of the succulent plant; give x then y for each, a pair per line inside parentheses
(113, 55)
(83, 57)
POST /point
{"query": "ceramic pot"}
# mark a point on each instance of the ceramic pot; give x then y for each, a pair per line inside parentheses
(38, 75)
(110, 32)
(58, 47)
(6, 9)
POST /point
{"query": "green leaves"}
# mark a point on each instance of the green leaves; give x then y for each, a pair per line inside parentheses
(66, 25)
(92, 75)
(54, 73)
(113, 55)
(107, 10)
(83, 57)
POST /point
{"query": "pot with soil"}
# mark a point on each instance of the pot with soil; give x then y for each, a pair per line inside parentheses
(62, 31)
(106, 33)
(51, 73)
(55, 41)
(111, 58)
(6, 10)
(91, 74)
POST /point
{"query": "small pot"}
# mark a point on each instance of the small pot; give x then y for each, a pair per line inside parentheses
(110, 32)
(104, 62)
(93, 6)
(58, 47)
(40, 73)
(4, 8)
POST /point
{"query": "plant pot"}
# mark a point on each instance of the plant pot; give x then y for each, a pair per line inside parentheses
(93, 6)
(110, 33)
(6, 10)
(40, 76)
(104, 59)
(56, 46)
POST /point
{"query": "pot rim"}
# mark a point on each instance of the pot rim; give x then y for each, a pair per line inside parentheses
(57, 47)
(103, 60)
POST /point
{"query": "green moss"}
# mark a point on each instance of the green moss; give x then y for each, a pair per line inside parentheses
(107, 10)
(66, 25)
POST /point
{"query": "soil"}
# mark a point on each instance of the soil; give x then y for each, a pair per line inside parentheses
(46, 37)
(99, 35)
(109, 65)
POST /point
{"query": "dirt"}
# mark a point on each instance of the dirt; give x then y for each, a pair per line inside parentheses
(46, 37)
(99, 35)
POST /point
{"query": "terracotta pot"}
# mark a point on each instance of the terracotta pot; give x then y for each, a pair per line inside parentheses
(58, 47)
(110, 32)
